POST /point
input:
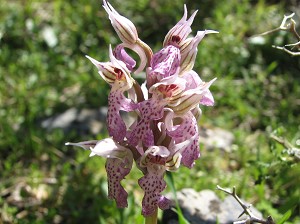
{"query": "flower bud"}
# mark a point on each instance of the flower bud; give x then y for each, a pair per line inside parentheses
(177, 35)
(124, 27)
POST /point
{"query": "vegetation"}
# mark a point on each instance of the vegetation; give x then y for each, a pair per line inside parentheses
(44, 72)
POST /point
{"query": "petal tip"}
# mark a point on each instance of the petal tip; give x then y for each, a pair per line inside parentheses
(94, 61)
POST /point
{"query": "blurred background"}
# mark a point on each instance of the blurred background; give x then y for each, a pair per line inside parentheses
(51, 94)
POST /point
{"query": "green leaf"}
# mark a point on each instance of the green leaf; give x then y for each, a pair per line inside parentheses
(170, 183)
(285, 217)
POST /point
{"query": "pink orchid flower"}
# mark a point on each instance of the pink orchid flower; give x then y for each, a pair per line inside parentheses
(164, 135)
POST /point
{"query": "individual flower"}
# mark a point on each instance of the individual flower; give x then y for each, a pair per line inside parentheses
(177, 35)
(184, 130)
(191, 98)
(118, 165)
(153, 183)
(118, 76)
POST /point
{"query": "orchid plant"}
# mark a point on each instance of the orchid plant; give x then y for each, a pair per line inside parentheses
(167, 108)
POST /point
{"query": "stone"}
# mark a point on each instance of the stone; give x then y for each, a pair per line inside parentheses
(79, 120)
(205, 207)
(216, 138)
(83, 121)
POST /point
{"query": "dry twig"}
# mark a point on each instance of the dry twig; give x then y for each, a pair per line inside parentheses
(289, 25)
(251, 217)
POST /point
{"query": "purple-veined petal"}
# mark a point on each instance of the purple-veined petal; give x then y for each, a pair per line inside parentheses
(192, 80)
(164, 63)
(177, 35)
(184, 132)
(207, 99)
(141, 135)
(185, 128)
(116, 102)
(151, 109)
(153, 183)
(124, 27)
(116, 171)
(118, 165)
(120, 54)
(185, 153)
(191, 153)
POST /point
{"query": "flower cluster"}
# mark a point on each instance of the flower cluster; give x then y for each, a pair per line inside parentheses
(165, 132)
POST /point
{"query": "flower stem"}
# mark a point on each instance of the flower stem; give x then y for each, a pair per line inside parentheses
(151, 219)
(147, 50)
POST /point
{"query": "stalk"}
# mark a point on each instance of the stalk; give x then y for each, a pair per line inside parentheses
(151, 219)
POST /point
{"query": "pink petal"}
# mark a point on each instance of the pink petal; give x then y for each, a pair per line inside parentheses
(120, 54)
(186, 129)
(142, 133)
(116, 171)
(207, 99)
(153, 184)
(164, 63)
(190, 154)
(151, 109)
(185, 135)
(115, 124)
(192, 79)
(114, 72)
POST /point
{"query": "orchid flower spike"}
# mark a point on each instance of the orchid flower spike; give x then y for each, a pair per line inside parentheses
(164, 133)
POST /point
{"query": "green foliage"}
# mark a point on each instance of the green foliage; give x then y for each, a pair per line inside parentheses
(256, 94)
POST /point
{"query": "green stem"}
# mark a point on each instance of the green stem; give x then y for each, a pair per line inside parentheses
(151, 219)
